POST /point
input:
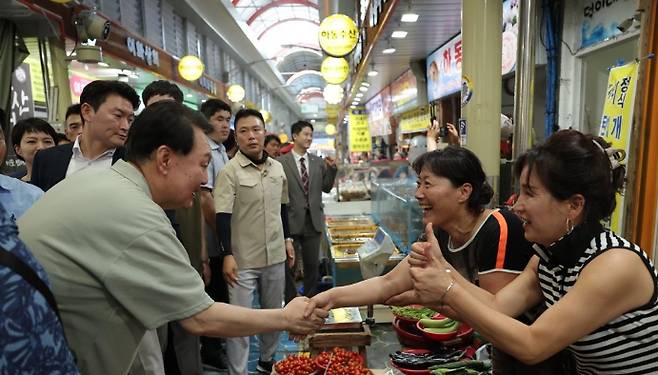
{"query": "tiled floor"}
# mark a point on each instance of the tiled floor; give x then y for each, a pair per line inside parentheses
(383, 343)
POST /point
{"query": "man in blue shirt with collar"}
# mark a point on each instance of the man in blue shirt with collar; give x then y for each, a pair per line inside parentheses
(218, 114)
(31, 335)
(17, 196)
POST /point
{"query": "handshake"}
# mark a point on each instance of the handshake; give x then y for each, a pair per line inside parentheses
(303, 317)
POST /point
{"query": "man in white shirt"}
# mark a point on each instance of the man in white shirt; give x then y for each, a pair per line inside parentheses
(107, 110)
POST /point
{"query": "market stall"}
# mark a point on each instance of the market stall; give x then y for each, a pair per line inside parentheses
(344, 236)
(440, 346)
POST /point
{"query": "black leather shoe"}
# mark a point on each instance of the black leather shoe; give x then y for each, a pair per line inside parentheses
(264, 367)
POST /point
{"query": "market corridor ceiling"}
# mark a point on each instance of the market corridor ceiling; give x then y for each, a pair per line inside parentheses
(286, 31)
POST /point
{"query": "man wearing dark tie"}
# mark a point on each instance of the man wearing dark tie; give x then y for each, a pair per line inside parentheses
(305, 210)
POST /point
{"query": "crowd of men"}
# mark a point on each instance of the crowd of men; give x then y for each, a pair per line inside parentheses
(156, 229)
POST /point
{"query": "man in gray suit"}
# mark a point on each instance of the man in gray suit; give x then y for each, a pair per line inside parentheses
(308, 176)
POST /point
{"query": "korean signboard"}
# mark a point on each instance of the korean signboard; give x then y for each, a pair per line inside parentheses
(403, 92)
(379, 112)
(617, 121)
(22, 107)
(444, 70)
(142, 51)
(600, 18)
(415, 121)
(444, 66)
(338, 35)
(22, 103)
(359, 134)
(77, 84)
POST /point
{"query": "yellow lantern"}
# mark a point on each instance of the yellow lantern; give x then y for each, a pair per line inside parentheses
(333, 94)
(332, 110)
(330, 129)
(335, 69)
(235, 93)
(190, 68)
(283, 137)
(266, 115)
(338, 35)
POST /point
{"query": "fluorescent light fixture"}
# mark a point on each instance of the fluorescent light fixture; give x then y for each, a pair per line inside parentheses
(313, 120)
(409, 17)
(372, 73)
(352, 106)
(399, 34)
(359, 94)
(366, 84)
(355, 103)
(363, 89)
(388, 51)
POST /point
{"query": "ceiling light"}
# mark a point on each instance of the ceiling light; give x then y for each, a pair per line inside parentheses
(313, 120)
(366, 84)
(352, 106)
(359, 94)
(355, 103)
(104, 64)
(399, 34)
(363, 89)
(388, 51)
(373, 72)
(409, 17)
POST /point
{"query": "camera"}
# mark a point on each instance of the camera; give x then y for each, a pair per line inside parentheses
(90, 25)
(443, 131)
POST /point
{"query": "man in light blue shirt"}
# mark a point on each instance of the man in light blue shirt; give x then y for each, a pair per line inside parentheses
(218, 114)
(17, 196)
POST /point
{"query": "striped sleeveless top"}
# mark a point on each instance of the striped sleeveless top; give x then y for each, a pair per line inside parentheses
(626, 345)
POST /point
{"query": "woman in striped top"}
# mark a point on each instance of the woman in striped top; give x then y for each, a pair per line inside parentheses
(600, 290)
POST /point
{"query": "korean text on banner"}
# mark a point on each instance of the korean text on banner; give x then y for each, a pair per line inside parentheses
(617, 121)
(358, 131)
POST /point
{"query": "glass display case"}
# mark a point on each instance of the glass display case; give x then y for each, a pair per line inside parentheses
(354, 181)
(344, 236)
(396, 210)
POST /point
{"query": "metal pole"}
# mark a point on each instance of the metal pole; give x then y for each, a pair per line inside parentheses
(525, 78)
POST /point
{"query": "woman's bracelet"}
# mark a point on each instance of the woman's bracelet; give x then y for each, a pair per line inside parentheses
(452, 283)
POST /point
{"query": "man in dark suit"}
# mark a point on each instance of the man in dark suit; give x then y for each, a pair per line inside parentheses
(308, 177)
(107, 110)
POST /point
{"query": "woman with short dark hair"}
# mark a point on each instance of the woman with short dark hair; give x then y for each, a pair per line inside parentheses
(29, 136)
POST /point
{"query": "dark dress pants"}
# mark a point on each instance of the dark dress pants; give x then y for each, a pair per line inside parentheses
(309, 243)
